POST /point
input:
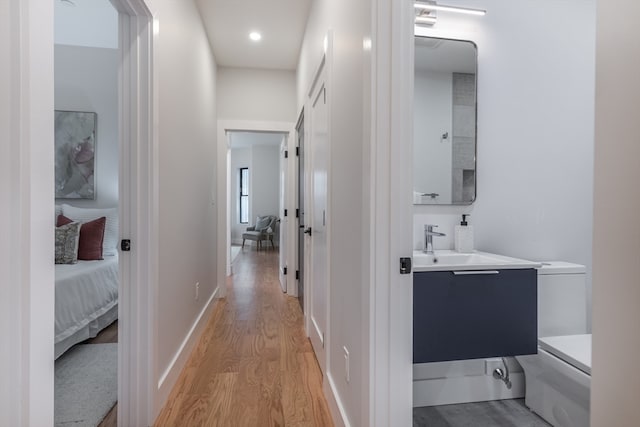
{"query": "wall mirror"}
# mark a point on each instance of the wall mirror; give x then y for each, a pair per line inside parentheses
(444, 122)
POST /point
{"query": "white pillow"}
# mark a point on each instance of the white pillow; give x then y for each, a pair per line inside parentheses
(110, 243)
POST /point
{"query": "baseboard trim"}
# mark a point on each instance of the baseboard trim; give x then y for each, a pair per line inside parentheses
(170, 376)
(338, 414)
(465, 389)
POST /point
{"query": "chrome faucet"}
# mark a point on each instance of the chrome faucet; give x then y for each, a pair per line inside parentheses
(428, 238)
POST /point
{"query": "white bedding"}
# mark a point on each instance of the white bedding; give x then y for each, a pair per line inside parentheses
(86, 300)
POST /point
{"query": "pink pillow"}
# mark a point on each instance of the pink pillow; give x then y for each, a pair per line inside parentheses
(91, 237)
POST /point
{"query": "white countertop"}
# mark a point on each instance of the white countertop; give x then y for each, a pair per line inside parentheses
(448, 260)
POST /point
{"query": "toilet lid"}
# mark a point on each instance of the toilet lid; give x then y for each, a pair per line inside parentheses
(573, 349)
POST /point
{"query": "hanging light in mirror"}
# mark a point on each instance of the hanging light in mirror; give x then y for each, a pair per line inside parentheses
(426, 11)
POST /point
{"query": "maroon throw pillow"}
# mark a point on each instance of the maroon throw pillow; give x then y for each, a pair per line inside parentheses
(63, 220)
(91, 237)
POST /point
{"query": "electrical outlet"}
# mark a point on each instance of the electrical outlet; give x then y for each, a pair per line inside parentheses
(347, 376)
(197, 291)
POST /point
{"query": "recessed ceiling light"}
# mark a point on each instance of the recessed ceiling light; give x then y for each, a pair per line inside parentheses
(255, 36)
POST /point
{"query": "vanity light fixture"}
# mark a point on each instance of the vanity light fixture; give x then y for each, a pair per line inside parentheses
(433, 6)
(426, 19)
(255, 36)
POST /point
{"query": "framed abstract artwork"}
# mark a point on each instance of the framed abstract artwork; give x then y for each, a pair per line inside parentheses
(75, 154)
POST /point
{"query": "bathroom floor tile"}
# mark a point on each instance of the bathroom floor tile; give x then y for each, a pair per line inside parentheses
(497, 413)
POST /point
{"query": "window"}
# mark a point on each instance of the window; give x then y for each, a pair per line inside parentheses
(244, 196)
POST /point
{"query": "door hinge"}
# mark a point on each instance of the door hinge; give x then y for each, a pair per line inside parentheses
(125, 245)
(285, 212)
(285, 271)
(297, 151)
(324, 89)
(323, 340)
(286, 154)
(297, 274)
(297, 213)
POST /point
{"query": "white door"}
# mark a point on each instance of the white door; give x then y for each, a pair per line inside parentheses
(319, 145)
(284, 220)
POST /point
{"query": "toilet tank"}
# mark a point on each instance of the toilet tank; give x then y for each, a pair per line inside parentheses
(562, 299)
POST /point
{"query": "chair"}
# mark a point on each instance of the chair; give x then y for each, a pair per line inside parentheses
(262, 230)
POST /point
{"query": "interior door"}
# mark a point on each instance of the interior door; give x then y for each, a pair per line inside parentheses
(300, 211)
(318, 233)
(282, 228)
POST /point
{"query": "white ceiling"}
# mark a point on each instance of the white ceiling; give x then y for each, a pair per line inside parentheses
(281, 23)
(250, 139)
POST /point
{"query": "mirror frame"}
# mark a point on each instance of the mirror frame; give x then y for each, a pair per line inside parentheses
(475, 151)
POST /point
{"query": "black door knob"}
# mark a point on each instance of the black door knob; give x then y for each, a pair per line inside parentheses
(308, 231)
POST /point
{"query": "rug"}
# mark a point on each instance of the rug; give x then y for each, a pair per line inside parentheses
(86, 384)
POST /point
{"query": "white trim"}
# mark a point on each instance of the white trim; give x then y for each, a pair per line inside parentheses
(138, 209)
(292, 223)
(338, 413)
(390, 333)
(223, 190)
(320, 338)
(295, 200)
(465, 389)
(169, 377)
(26, 267)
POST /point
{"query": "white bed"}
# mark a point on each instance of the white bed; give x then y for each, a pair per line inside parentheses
(86, 300)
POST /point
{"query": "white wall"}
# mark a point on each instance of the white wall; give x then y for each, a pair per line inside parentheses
(254, 94)
(187, 167)
(91, 23)
(240, 158)
(615, 383)
(535, 130)
(432, 161)
(264, 185)
(265, 182)
(86, 79)
(348, 215)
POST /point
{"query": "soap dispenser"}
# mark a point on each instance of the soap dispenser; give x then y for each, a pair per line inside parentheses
(464, 236)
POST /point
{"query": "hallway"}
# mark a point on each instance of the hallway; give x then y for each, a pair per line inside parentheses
(253, 365)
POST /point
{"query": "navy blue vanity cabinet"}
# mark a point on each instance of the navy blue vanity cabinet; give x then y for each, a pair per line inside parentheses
(470, 316)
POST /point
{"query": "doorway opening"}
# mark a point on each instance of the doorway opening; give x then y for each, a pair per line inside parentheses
(87, 172)
(117, 161)
(255, 181)
(257, 177)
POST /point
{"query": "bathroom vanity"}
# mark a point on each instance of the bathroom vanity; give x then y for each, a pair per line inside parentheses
(471, 306)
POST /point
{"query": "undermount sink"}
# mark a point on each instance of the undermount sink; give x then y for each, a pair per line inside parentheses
(447, 260)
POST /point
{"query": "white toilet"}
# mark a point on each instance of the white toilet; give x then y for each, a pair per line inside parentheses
(558, 378)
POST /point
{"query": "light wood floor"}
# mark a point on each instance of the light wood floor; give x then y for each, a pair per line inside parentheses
(253, 366)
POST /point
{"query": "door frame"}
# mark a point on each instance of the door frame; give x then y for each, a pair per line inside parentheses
(138, 393)
(298, 262)
(284, 197)
(26, 162)
(391, 294)
(323, 69)
(28, 399)
(224, 191)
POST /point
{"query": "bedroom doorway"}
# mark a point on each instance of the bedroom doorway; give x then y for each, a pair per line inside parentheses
(104, 179)
(255, 181)
(258, 195)
(87, 172)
